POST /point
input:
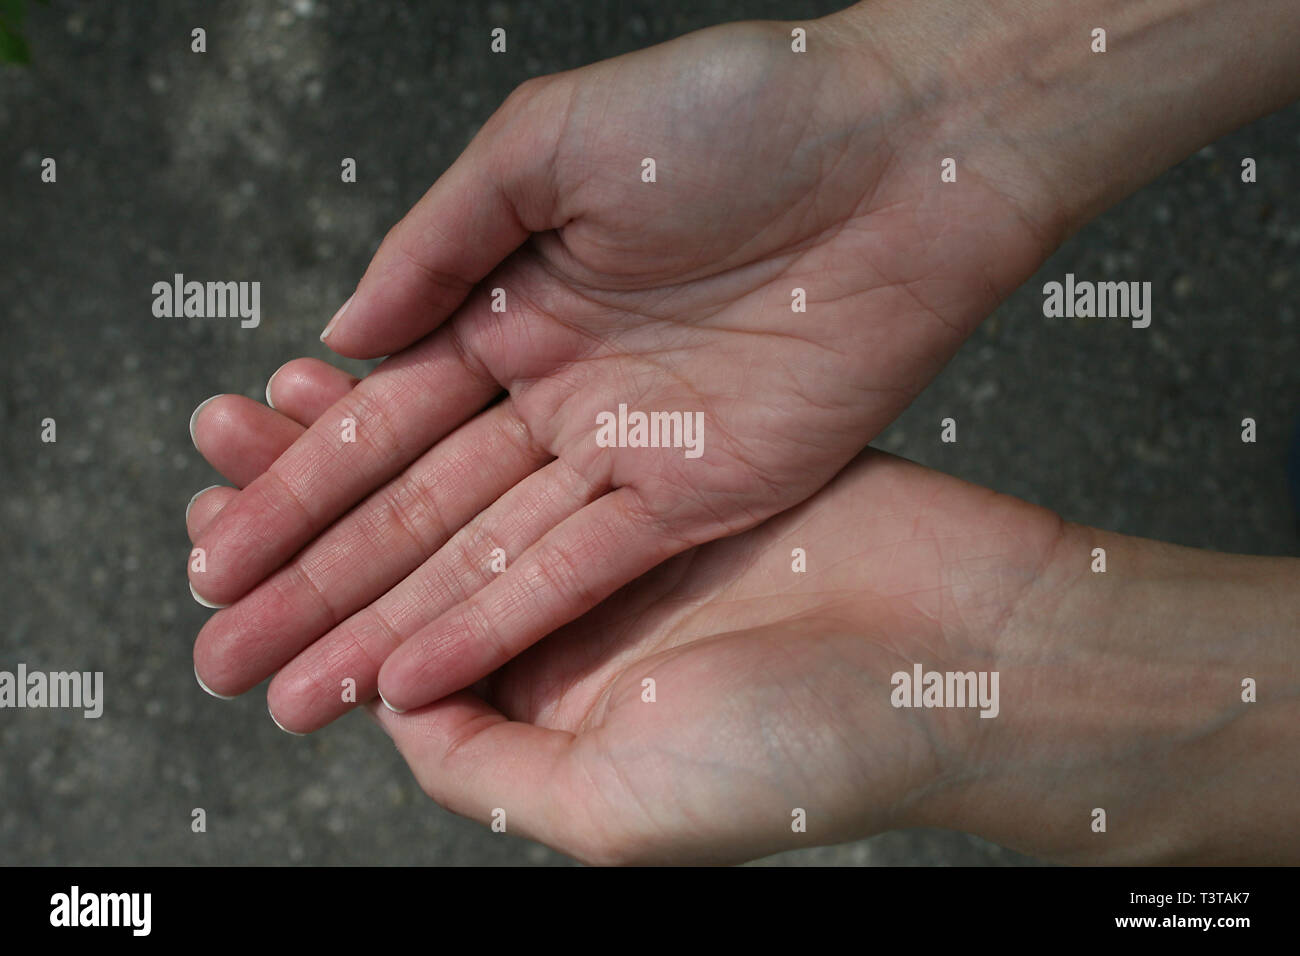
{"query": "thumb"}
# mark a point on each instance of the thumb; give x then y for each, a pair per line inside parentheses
(500, 189)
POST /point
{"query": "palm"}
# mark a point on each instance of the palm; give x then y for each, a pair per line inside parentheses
(677, 294)
(672, 296)
(766, 684)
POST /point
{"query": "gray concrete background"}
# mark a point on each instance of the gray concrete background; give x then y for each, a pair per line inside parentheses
(227, 166)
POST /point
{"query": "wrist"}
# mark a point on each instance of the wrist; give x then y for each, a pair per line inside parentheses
(1018, 92)
(1122, 691)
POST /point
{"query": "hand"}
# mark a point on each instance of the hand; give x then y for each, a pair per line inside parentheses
(775, 171)
(772, 687)
(1122, 670)
(770, 693)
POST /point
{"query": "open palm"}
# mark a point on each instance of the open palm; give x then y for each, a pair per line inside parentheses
(774, 172)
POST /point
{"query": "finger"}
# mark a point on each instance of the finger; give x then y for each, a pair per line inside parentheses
(241, 438)
(501, 188)
(304, 695)
(473, 761)
(305, 388)
(360, 557)
(568, 572)
(363, 440)
(247, 439)
(205, 506)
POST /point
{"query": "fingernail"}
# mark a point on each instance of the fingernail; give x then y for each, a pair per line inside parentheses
(196, 498)
(207, 688)
(204, 602)
(390, 706)
(195, 417)
(269, 403)
(337, 315)
(280, 725)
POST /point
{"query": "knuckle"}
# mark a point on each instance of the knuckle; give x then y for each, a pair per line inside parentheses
(373, 428)
(561, 572)
(409, 506)
(474, 628)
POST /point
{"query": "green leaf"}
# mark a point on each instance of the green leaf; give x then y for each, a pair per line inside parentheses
(11, 14)
(13, 48)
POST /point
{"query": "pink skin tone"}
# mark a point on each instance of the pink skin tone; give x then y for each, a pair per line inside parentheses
(772, 687)
(628, 298)
(370, 560)
(776, 171)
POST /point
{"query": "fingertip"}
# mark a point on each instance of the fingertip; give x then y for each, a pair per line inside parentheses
(277, 723)
(340, 344)
(204, 507)
(333, 322)
(304, 388)
(270, 402)
(389, 685)
(295, 694)
(208, 689)
(190, 507)
(194, 419)
(204, 601)
(424, 668)
(396, 710)
(386, 314)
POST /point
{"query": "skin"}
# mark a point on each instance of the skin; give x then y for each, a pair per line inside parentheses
(777, 171)
(672, 296)
(773, 687)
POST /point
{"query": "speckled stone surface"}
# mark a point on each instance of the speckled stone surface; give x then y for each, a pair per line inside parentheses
(228, 167)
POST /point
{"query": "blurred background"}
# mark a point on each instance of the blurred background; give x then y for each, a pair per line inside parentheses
(226, 166)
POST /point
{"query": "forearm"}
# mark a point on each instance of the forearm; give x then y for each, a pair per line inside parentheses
(1126, 691)
(1157, 683)
(1029, 106)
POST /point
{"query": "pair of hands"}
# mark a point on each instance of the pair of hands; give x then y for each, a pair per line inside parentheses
(370, 561)
(674, 295)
